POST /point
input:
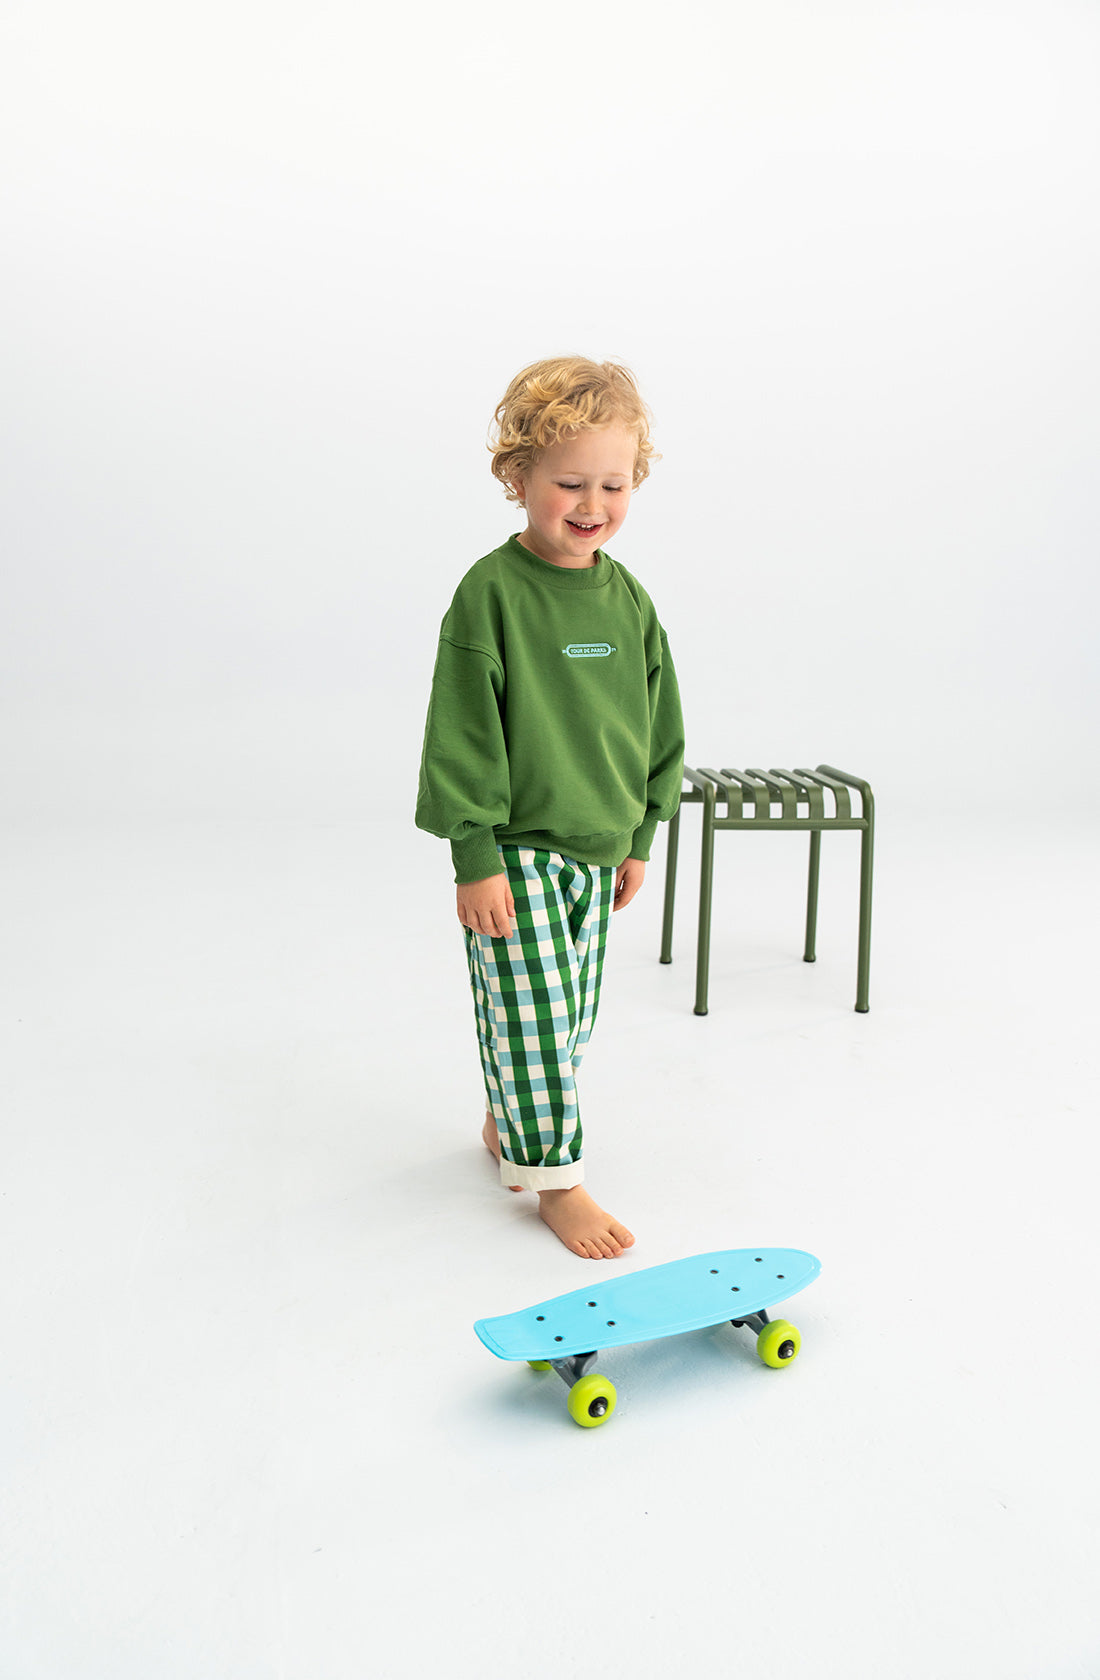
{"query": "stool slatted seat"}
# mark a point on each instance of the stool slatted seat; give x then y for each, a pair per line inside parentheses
(811, 800)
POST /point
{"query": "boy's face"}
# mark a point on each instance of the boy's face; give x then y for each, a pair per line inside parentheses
(576, 495)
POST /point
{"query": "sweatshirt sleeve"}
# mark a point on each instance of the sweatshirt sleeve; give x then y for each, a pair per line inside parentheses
(464, 790)
(666, 754)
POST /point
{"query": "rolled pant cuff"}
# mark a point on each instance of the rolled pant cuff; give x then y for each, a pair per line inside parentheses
(542, 1178)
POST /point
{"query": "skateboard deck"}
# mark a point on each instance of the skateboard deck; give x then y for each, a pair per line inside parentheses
(735, 1285)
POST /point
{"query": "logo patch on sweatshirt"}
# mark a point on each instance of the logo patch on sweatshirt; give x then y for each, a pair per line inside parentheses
(588, 650)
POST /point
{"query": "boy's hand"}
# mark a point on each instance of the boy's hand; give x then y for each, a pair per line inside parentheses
(487, 906)
(628, 878)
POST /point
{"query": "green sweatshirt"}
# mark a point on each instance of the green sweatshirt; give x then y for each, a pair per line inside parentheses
(554, 719)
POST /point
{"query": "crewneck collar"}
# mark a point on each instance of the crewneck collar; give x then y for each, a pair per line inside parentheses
(561, 577)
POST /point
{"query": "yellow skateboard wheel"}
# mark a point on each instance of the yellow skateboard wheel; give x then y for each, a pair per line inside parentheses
(540, 1365)
(778, 1344)
(591, 1401)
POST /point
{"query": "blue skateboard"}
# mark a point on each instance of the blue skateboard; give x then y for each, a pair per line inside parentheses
(734, 1285)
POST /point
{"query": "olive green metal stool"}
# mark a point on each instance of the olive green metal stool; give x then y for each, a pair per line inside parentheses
(800, 799)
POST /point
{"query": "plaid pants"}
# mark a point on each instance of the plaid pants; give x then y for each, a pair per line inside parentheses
(535, 998)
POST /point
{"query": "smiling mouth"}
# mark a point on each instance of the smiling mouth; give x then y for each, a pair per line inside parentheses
(583, 530)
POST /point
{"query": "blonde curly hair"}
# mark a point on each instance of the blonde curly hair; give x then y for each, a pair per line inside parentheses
(557, 398)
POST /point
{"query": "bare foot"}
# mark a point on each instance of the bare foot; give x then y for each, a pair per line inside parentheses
(492, 1142)
(583, 1227)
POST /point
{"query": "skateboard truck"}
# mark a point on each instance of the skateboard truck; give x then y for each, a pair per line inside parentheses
(573, 1369)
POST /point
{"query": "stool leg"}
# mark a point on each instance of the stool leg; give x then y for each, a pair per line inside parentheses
(866, 867)
(706, 886)
(670, 885)
(810, 953)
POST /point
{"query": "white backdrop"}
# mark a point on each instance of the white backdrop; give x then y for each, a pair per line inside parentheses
(269, 268)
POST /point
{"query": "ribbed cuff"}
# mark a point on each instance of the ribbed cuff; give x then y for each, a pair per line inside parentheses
(644, 835)
(475, 856)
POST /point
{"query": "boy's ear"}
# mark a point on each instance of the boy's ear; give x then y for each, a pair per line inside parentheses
(516, 485)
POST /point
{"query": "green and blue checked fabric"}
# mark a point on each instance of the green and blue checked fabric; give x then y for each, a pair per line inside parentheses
(535, 1000)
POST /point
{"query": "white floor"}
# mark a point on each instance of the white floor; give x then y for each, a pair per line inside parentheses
(247, 1225)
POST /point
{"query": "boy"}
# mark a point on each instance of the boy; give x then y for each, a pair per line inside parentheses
(553, 748)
